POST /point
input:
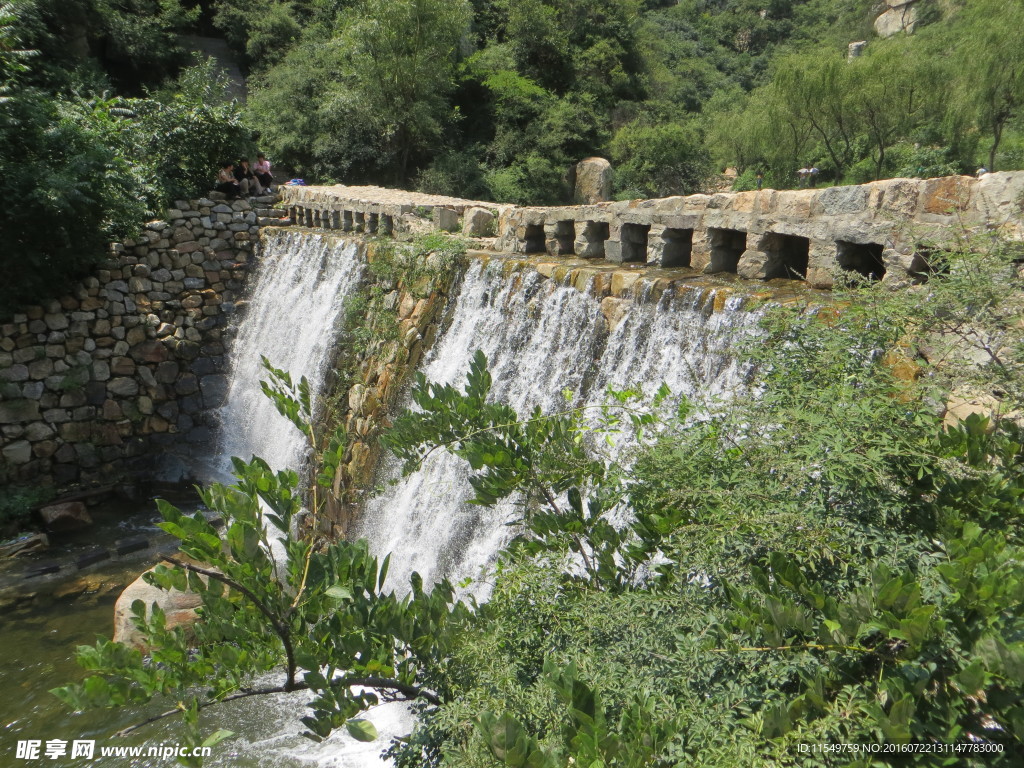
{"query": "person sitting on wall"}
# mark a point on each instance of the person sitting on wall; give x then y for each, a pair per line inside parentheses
(247, 181)
(262, 172)
(226, 181)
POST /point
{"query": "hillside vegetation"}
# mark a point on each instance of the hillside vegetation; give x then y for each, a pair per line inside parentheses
(496, 99)
(102, 122)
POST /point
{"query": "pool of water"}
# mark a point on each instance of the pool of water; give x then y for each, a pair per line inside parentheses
(41, 628)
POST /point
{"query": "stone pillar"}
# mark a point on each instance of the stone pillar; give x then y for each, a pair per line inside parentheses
(559, 238)
(700, 255)
(656, 245)
(613, 245)
(821, 264)
(760, 261)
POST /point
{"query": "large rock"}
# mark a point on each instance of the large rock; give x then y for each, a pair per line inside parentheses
(963, 403)
(18, 452)
(901, 17)
(478, 222)
(14, 411)
(69, 516)
(593, 180)
(446, 219)
(179, 609)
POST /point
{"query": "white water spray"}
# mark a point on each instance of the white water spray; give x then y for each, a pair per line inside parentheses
(296, 305)
(541, 340)
(295, 309)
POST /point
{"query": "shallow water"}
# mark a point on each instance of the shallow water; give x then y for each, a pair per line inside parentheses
(46, 618)
(38, 640)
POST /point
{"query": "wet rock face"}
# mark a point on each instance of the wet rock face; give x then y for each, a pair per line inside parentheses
(130, 362)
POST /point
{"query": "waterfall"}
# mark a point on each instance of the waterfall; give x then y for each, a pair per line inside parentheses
(295, 306)
(547, 345)
(541, 340)
(296, 303)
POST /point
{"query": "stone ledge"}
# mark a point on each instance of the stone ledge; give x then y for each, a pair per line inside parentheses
(873, 229)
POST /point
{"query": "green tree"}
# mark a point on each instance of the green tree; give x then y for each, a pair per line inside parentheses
(660, 160)
(894, 92)
(401, 68)
(315, 611)
(990, 63)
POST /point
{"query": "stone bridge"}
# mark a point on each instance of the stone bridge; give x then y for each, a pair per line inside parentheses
(885, 230)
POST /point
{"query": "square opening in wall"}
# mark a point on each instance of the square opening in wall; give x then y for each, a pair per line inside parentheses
(565, 234)
(592, 240)
(863, 258)
(634, 242)
(792, 254)
(727, 245)
(533, 241)
(678, 247)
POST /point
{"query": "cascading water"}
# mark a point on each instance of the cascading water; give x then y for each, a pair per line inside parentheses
(299, 293)
(295, 307)
(540, 340)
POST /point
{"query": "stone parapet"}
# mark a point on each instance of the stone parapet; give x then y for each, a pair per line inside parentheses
(130, 363)
(377, 210)
(883, 230)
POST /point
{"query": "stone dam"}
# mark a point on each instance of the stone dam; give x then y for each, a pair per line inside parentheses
(131, 364)
(884, 230)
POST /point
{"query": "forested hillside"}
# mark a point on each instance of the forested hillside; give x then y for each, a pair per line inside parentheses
(497, 99)
(102, 123)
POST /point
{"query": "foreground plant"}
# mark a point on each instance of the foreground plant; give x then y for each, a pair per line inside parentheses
(274, 604)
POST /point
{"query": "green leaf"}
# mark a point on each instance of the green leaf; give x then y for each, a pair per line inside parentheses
(339, 592)
(217, 737)
(361, 730)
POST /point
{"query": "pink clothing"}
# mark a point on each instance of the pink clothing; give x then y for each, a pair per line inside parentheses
(262, 166)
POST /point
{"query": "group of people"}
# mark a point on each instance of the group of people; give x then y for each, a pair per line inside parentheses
(241, 180)
(808, 177)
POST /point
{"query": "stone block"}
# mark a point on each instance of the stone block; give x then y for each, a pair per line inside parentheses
(123, 387)
(945, 195)
(446, 219)
(15, 411)
(836, 201)
(18, 452)
(69, 516)
(15, 373)
(478, 222)
(214, 390)
(122, 366)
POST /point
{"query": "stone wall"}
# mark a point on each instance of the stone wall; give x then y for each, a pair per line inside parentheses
(129, 364)
(883, 230)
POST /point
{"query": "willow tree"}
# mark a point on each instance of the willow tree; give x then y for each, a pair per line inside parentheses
(815, 90)
(401, 68)
(990, 59)
(892, 92)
